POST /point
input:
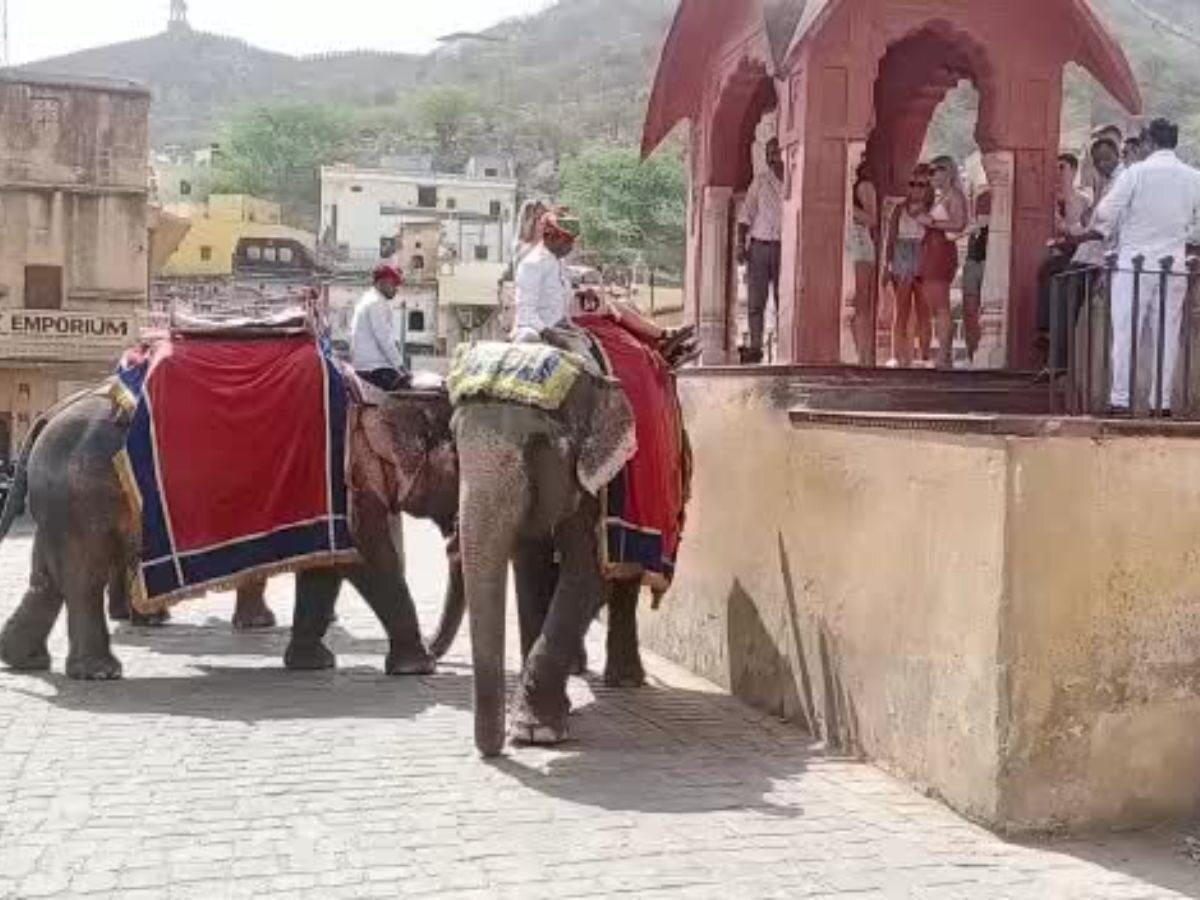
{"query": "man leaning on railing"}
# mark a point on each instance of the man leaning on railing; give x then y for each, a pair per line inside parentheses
(1152, 211)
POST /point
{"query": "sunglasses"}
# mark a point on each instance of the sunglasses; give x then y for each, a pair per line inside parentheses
(918, 184)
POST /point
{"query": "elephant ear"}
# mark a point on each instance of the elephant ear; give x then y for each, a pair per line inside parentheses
(606, 436)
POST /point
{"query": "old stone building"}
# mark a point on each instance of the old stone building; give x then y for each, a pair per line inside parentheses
(74, 240)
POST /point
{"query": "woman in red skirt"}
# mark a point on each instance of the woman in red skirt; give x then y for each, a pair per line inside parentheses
(939, 252)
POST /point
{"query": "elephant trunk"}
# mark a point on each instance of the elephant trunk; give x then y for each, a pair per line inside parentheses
(454, 605)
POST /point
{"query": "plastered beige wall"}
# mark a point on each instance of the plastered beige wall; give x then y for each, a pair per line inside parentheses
(1011, 622)
(1104, 637)
(838, 579)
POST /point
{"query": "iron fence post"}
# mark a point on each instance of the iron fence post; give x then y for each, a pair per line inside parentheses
(1110, 269)
(1193, 277)
(1167, 263)
(1139, 266)
(1056, 295)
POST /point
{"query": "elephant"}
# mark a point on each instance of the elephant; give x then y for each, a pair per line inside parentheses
(528, 494)
(86, 538)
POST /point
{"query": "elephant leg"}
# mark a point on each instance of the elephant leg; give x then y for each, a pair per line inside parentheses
(624, 664)
(23, 640)
(381, 583)
(541, 711)
(252, 611)
(316, 595)
(536, 575)
(85, 577)
(119, 607)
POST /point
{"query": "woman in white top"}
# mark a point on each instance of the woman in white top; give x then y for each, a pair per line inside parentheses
(860, 245)
(939, 253)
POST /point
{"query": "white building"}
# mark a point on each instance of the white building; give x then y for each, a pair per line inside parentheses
(363, 210)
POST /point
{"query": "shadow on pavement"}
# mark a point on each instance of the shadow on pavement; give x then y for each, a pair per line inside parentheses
(668, 751)
(257, 694)
(216, 637)
(1164, 857)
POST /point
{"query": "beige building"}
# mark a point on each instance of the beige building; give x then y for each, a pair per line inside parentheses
(74, 258)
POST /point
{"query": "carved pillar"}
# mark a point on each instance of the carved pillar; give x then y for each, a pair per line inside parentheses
(713, 277)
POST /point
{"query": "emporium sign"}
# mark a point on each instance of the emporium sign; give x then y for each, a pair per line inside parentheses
(27, 332)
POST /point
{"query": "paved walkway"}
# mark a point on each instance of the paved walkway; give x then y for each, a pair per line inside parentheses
(210, 773)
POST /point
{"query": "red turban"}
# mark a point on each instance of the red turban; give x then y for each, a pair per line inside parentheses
(561, 224)
(388, 272)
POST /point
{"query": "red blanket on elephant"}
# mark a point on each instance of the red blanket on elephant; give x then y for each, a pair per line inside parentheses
(644, 506)
(235, 459)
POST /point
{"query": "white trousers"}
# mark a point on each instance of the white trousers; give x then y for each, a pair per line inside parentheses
(1149, 303)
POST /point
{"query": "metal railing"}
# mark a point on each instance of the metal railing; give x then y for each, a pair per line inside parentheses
(1123, 341)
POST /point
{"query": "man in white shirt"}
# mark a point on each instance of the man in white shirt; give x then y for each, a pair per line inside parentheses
(760, 244)
(1153, 210)
(374, 353)
(543, 288)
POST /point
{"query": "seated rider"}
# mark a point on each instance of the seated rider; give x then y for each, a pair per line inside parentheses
(543, 288)
(374, 354)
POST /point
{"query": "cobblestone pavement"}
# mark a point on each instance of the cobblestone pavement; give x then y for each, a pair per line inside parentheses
(210, 773)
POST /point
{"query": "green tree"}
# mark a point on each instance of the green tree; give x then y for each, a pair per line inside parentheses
(629, 208)
(276, 152)
(448, 116)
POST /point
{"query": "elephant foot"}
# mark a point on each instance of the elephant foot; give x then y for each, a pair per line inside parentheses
(254, 619)
(530, 728)
(314, 657)
(149, 620)
(625, 673)
(22, 654)
(105, 667)
(120, 613)
(417, 661)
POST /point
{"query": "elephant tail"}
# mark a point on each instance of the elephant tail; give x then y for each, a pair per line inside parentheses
(18, 491)
(454, 606)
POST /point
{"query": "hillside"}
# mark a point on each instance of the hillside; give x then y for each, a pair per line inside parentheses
(576, 73)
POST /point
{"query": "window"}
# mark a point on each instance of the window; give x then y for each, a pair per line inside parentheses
(491, 173)
(416, 320)
(269, 254)
(451, 203)
(286, 255)
(185, 189)
(254, 252)
(481, 253)
(387, 247)
(206, 254)
(427, 197)
(356, 188)
(417, 263)
(494, 209)
(43, 287)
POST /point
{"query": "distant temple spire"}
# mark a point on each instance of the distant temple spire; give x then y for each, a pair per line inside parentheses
(178, 15)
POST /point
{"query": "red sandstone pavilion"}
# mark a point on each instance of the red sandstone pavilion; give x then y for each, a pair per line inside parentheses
(855, 79)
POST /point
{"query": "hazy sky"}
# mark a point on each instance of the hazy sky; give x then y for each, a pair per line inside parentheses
(41, 28)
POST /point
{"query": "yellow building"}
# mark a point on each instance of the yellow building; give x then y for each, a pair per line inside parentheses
(218, 227)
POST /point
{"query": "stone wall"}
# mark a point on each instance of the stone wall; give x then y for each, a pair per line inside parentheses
(1003, 620)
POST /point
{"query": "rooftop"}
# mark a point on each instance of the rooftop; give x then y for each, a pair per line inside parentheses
(74, 82)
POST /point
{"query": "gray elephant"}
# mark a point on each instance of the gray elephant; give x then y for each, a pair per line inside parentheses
(86, 538)
(528, 482)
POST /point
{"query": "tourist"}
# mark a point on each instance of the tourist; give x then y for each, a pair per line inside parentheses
(939, 252)
(973, 272)
(905, 236)
(374, 353)
(1152, 211)
(860, 246)
(760, 243)
(1106, 164)
(1134, 150)
(543, 290)
(1072, 211)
